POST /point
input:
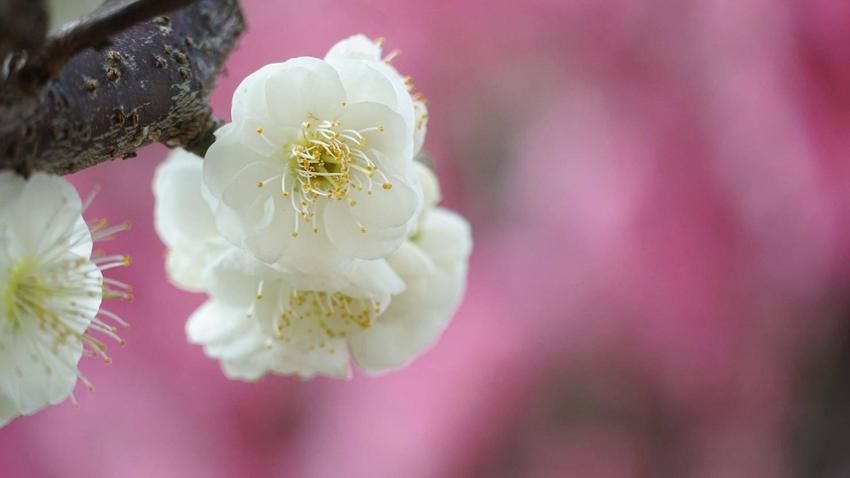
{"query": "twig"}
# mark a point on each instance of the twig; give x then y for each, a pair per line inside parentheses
(150, 83)
(90, 31)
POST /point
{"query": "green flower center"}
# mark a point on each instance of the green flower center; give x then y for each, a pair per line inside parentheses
(24, 290)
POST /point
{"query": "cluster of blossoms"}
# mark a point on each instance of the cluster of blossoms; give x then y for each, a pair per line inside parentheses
(310, 226)
(51, 290)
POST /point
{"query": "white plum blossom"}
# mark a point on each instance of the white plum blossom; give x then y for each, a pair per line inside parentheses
(51, 291)
(316, 168)
(310, 226)
(261, 320)
(381, 313)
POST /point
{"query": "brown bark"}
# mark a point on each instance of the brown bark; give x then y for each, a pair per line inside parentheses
(150, 82)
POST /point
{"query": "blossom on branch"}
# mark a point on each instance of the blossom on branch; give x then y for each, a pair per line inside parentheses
(260, 319)
(316, 168)
(51, 291)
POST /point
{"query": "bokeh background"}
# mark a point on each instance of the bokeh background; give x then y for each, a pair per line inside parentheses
(660, 287)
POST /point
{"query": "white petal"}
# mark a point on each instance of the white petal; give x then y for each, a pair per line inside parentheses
(33, 379)
(431, 193)
(410, 261)
(320, 361)
(47, 213)
(412, 323)
(249, 98)
(180, 213)
(303, 87)
(8, 409)
(388, 141)
(246, 208)
(346, 235)
(445, 236)
(233, 277)
(263, 136)
(386, 208)
(392, 345)
(373, 277)
(355, 47)
(313, 252)
(243, 190)
(364, 82)
(248, 369)
(214, 321)
(186, 262)
(225, 158)
(269, 242)
(248, 342)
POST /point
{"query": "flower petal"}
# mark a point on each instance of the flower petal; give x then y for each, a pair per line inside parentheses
(180, 213)
(374, 276)
(35, 382)
(410, 261)
(312, 253)
(364, 82)
(392, 345)
(46, 212)
(331, 361)
(347, 238)
(269, 242)
(184, 266)
(214, 321)
(302, 87)
(412, 323)
(431, 194)
(388, 141)
(249, 98)
(225, 158)
(232, 278)
(445, 236)
(387, 208)
(355, 47)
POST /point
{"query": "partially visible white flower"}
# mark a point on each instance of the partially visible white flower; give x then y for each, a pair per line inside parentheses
(50, 292)
(382, 313)
(261, 320)
(360, 47)
(316, 168)
(184, 221)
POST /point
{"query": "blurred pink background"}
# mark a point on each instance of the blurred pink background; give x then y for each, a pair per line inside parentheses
(660, 287)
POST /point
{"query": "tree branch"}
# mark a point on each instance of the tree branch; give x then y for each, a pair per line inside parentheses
(150, 83)
(92, 30)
